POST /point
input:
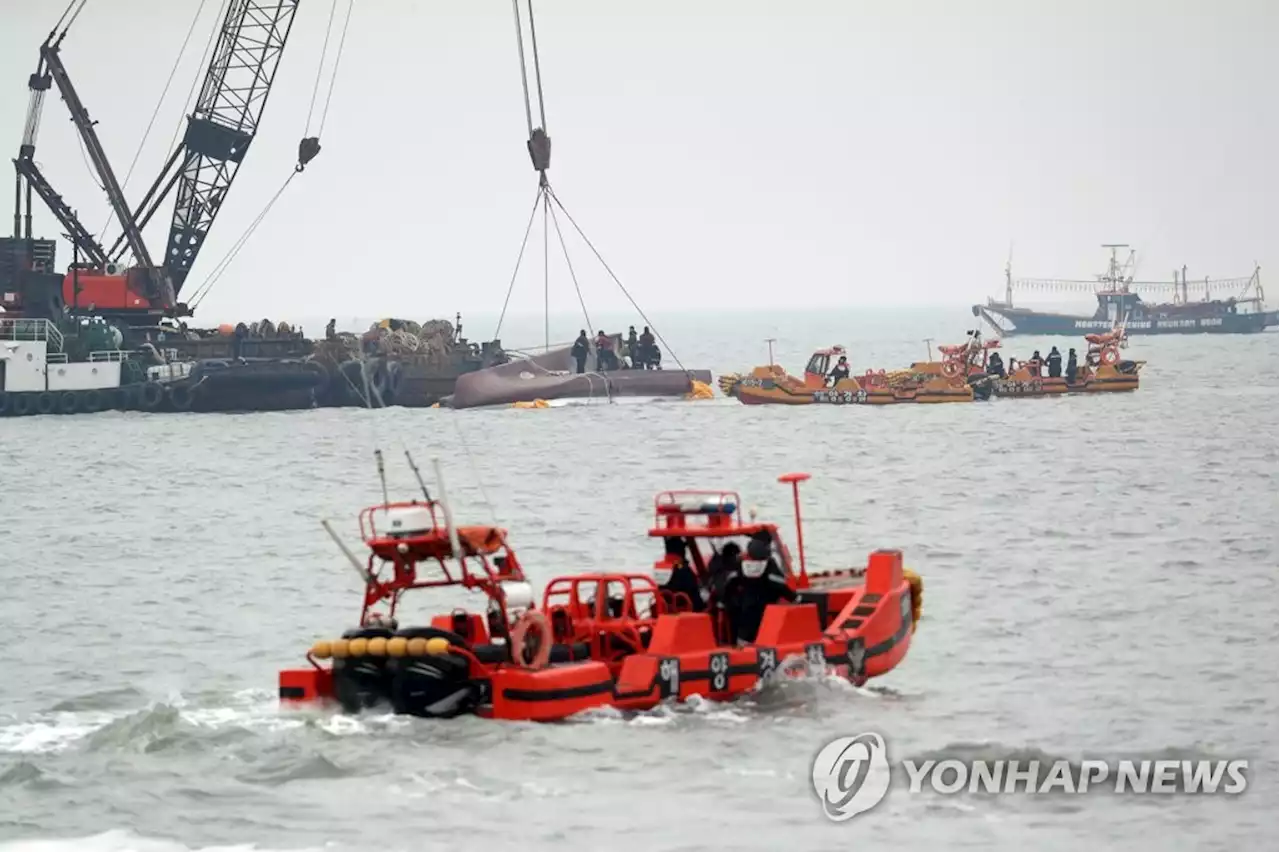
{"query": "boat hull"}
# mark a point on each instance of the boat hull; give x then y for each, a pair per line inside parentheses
(764, 387)
(1105, 378)
(846, 631)
(1019, 322)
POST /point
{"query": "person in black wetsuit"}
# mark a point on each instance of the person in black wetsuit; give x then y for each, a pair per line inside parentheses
(995, 365)
(759, 584)
(722, 570)
(581, 347)
(839, 371)
(650, 354)
(1054, 361)
(633, 348)
(680, 576)
(1072, 367)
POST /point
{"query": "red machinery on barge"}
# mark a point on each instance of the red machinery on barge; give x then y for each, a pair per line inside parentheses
(598, 639)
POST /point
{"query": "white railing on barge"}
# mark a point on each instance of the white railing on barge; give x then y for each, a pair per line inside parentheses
(31, 329)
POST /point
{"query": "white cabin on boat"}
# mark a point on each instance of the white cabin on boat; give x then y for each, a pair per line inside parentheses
(32, 360)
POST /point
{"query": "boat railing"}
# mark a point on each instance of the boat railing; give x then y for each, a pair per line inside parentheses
(110, 355)
(31, 329)
(55, 358)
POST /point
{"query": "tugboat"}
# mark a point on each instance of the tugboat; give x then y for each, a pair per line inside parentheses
(79, 368)
(772, 385)
(1117, 302)
(596, 640)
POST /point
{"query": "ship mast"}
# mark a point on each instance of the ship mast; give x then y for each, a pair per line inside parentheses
(1115, 275)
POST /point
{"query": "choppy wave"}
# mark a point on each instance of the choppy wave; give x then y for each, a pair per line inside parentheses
(122, 840)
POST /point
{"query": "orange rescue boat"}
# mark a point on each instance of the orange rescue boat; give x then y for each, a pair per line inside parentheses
(1103, 371)
(773, 385)
(599, 639)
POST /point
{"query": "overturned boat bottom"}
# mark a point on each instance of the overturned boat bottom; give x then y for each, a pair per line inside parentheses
(436, 674)
(550, 376)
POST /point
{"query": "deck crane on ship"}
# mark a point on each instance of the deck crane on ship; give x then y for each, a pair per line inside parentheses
(220, 129)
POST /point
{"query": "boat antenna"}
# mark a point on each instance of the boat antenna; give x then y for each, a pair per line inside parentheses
(364, 575)
(770, 341)
(418, 475)
(448, 513)
(382, 476)
(928, 348)
(794, 480)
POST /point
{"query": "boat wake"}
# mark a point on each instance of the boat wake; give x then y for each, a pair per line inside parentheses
(181, 724)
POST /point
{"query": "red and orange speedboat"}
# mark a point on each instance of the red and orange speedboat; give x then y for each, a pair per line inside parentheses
(596, 640)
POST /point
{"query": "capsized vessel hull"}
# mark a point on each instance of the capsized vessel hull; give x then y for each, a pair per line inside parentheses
(550, 376)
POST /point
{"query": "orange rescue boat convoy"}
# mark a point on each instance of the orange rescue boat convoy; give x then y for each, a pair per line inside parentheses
(967, 371)
(598, 640)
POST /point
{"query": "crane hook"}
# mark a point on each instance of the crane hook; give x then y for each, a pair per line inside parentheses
(307, 150)
(539, 146)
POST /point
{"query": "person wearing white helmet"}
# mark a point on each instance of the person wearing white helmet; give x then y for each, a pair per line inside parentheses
(760, 584)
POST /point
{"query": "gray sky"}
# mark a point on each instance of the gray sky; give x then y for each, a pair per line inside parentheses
(719, 154)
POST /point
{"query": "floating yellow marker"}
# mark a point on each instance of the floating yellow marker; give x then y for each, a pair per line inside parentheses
(397, 646)
(321, 650)
(701, 390)
(339, 648)
(417, 647)
(437, 645)
(377, 647)
(357, 647)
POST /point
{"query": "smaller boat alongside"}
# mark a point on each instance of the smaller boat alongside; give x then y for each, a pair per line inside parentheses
(598, 639)
(772, 385)
(1103, 371)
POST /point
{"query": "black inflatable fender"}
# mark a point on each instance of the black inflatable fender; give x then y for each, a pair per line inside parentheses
(451, 668)
(150, 396)
(128, 397)
(46, 403)
(363, 682)
(4, 403)
(22, 404)
(91, 400)
(181, 397)
(433, 633)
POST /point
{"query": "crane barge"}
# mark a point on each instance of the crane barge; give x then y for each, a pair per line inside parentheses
(202, 167)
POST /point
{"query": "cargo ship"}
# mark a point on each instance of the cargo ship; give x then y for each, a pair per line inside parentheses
(1119, 302)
